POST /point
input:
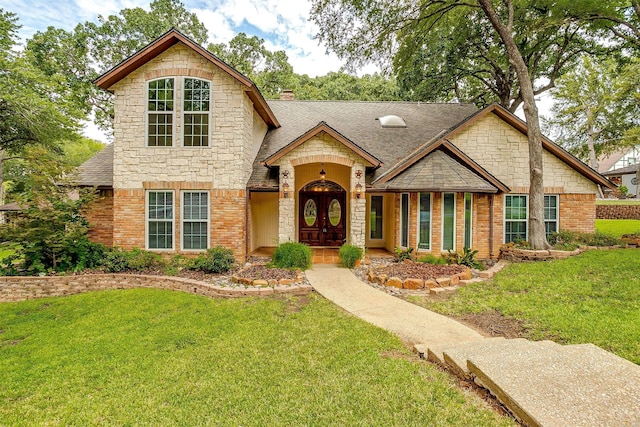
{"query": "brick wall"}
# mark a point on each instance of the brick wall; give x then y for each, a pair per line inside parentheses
(618, 212)
(100, 217)
(227, 216)
(578, 212)
(25, 288)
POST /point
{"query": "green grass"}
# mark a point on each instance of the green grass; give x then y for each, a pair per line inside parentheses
(618, 227)
(593, 297)
(151, 357)
(617, 202)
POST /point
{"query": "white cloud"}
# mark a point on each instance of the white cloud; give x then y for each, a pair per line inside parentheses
(220, 30)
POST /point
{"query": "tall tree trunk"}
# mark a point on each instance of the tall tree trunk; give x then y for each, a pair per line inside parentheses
(537, 234)
(2, 217)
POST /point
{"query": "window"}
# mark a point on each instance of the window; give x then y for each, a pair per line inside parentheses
(550, 214)
(160, 220)
(375, 215)
(515, 215)
(197, 95)
(195, 220)
(468, 219)
(160, 113)
(424, 216)
(404, 220)
(448, 221)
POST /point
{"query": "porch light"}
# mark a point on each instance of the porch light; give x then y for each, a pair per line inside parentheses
(285, 190)
(358, 190)
(323, 174)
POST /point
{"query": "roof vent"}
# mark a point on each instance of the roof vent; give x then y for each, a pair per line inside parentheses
(392, 121)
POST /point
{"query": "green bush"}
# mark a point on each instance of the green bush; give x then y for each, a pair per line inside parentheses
(349, 255)
(568, 240)
(467, 257)
(216, 260)
(118, 260)
(292, 256)
(403, 254)
(432, 259)
(177, 264)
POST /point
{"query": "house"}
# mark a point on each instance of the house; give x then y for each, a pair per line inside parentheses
(626, 176)
(200, 159)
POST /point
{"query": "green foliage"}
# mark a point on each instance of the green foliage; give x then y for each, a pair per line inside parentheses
(216, 260)
(623, 190)
(403, 254)
(349, 255)
(292, 255)
(432, 259)
(51, 232)
(467, 257)
(571, 238)
(118, 260)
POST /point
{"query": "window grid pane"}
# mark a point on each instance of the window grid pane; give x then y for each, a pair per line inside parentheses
(550, 214)
(160, 117)
(404, 219)
(448, 221)
(196, 112)
(160, 220)
(425, 221)
(195, 213)
(515, 226)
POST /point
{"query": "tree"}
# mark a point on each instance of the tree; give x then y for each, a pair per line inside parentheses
(365, 31)
(31, 110)
(592, 110)
(346, 87)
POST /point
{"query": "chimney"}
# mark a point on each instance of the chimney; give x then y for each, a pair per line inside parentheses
(287, 95)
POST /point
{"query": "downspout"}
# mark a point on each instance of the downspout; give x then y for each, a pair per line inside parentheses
(246, 226)
(491, 255)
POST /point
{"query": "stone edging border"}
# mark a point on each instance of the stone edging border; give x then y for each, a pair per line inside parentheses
(262, 282)
(414, 283)
(20, 288)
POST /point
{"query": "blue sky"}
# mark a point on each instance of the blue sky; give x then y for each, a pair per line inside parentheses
(282, 23)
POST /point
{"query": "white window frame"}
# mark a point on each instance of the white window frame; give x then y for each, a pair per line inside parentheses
(149, 113)
(382, 214)
(470, 220)
(430, 222)
(183, 220)
(408, 235)
(504, 216)
(557, 220)
(455, 206)
(148, 220)
(184, 112)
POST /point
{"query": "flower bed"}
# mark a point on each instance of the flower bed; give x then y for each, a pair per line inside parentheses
(412, 275)
(261, 275)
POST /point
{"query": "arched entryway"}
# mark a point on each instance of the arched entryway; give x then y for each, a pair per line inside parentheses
(322, 214)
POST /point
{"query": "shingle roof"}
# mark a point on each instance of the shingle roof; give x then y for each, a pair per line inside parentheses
(439, 172)
(357, 121)
(98, 170)
(627, 170)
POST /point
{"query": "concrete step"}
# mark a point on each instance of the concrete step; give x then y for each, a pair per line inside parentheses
(551, 385)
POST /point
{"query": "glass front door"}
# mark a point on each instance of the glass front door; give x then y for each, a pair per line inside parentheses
(322, 218)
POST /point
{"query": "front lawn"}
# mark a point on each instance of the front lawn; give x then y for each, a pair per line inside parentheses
(151, 357)
(618, 227)
(593, 297)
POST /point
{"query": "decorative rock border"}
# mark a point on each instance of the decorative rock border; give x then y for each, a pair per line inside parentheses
(514, 254)
(269, 282)
(433, 285)
(20, 288)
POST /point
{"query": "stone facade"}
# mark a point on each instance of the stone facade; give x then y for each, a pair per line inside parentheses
(618, 211)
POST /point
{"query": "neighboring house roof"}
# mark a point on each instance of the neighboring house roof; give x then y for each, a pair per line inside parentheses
(10, 207)
(164, 42)
(356, 122)
(98, 170)
(607, 162)
(627, 170)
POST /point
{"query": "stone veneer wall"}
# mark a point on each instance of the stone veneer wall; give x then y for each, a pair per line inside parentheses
(618, 211)
(24, 288)
(100, 217)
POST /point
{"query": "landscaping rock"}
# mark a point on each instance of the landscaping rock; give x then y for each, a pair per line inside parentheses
(413, 284)
(394, 282)
(260, 282)
(436, 291)
(430, 284)
(443, 281)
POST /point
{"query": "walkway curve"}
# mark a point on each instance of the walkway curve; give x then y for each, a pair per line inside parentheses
(414, 324)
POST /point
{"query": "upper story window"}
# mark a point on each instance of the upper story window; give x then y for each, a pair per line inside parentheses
(197, 95)
(160, 112)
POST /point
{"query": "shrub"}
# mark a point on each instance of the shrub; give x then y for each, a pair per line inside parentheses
(467, 257)
(349, 255)
(568, 240)
(292, 256)
(403, 254)
(216, 260)
(177, 264)
(432, 259)
(118, 260)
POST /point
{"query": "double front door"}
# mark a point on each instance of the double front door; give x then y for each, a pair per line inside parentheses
(322, 218)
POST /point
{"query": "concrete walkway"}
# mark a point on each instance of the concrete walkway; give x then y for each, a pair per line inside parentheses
(541, 383)
(414, 324)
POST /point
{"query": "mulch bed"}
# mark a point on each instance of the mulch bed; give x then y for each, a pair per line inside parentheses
(408, 269)
(265, 273)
